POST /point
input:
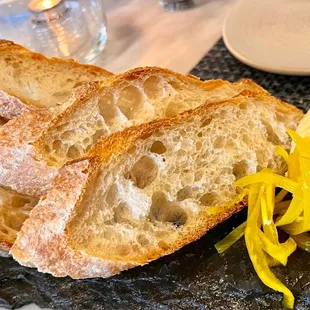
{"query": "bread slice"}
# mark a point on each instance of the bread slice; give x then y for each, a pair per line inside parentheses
(29, 80)
(35, 145)
(151, 189)
(14, 210)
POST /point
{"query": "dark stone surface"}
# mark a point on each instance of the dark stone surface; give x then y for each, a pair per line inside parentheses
(195, 277)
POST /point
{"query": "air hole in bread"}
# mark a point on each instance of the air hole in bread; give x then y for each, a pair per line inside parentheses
(184, 193)
(4, 230)
(16, 65)
(57, 144)
(77, 84)
(122, 214)
(68, 135)
(151, 87)
(198, 175)
(158, 147)
(242, 168)
(107, 108)
(144, 171)
(271, 134)
(52, 161)
(17, 73)
(132, 150)
(130, 101)
(199, 134)
(73, 152)
(230, 145)
(124, 250)
(165, 211)
(199, 145)
(173, 109)
(246, 139)
(61, 94)
(142, 240)
(112, 195)
(243, 105)
(219, 142)
(86, 141)
(206, 122)
(69, 80)
(176, 85)
(18, 202)
(3, 121)
(182, 153)
(209, 199)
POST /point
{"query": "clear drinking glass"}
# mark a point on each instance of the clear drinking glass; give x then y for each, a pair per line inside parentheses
(64, 28)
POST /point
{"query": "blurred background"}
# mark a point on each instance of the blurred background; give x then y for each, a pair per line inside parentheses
(117, 34)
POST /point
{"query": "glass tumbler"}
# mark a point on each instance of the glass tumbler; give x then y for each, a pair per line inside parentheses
(179, 5)
(62, 28)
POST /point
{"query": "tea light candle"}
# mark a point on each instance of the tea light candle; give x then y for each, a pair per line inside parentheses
(37, 6)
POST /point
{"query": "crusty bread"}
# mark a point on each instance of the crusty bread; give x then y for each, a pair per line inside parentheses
(149, 190)
(14, 209)
(35, 145)
(29, 80)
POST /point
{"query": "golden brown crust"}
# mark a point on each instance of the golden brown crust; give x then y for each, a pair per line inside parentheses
(8, 47)
(13, 99)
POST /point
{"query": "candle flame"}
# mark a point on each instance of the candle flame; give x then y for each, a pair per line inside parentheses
(47, 4)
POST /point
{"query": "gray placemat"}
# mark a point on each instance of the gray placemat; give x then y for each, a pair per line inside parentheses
(220, 64)
(196, 277)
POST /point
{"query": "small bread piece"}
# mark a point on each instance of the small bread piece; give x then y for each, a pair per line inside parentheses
(14, 210)
(31, 154)
(151, 189)
(29, 80)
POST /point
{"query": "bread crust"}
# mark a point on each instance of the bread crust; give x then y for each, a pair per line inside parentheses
(47, 227)
(120, 141)
(21, 167)
(13, 104)
(33, 173)
(8, 47)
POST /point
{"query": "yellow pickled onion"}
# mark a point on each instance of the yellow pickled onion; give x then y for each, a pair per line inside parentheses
(258, 257)
(268, 178)
(303, 241)
(280, 196)
(282, 152)
(292, 216)
(231, 238)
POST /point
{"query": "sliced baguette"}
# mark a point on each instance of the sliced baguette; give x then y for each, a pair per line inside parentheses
(14, 210)
(151, 189)
(29, 80)
(33, 147)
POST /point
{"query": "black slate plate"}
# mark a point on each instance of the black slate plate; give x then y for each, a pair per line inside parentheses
(195, 277)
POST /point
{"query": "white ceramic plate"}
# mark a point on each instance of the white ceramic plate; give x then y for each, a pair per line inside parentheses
(270, 35)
